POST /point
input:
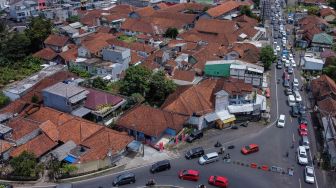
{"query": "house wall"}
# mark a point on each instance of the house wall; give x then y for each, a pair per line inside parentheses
(199, 122)
(56, 102)
(119, 56)
(222, 102)
(83, 52)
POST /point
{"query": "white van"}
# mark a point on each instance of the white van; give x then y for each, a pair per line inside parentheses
(291, 100)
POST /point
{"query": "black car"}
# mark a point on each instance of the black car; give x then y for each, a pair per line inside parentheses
(160, 166)
(303, 119)
(295, 111)
(285, 83)
(279, 65)
(194, 135)
(194, 153)
(123, 179)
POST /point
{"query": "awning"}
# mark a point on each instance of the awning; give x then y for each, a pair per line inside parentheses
(70, 159)
(80, 112)
(134, 146)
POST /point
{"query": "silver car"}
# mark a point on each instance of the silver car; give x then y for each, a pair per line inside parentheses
(309, 174)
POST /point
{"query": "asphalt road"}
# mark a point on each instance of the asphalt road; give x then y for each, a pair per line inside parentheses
(274, 144)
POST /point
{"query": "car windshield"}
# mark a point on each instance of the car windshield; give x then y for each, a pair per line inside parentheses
(247, 147)
(185, 172)
(281, 121)
(302, 155)
(310, 172)
(205, 157)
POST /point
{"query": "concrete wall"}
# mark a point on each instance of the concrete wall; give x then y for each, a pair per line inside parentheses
(57, 102)
(28, 137)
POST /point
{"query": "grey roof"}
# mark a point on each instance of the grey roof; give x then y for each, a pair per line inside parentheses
(4, 129)
(5, 116)
(80, 112)
(62, 152)
(64, 90)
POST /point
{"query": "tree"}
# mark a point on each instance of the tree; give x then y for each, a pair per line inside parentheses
(267, 56)
(16, 47)
(159, 88)
(4, 100)
(24, 165)
(171, 33)
(99, 83)
(37, 31)
(72, 19)
(136, 81)
(313, 10)
(246, 10)
(136, 98)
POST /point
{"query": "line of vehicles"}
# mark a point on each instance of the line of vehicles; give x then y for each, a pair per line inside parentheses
(298, 109)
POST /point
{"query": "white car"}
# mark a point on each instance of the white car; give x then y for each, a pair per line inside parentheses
(298, 97)
(278, 48)
(309, 174)
(208, 158)
(275, 43)
(275, 53)
(293, 63)
(302, 155)
(281, 121)
(283, 59)
(295, 82)
(287, 64)
(290, 56)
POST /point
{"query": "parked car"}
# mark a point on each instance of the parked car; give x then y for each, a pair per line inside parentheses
(281, 121)
(250, 149)
(295, 111)
(279, 65)
(303, 119)
(208, 158)
(192, 175)
(287, 65)
(304, 142)
(309, 174)
(194, 153)
(297, 96)
(278, 48)
(123, 179)
(302, 109)
(194, 135)
(288, 91)
(302, 155)
(303, 130)
(295, 82)
(290, 70)
(285, 83)
(218, 181)
(160, 166)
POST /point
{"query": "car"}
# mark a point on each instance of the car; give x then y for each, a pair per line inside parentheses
(304, 142)
(279, 65)
(281, 121)
(302, 155)
(285, 83)
(309, 174)
(290, 56)
(302, 109)
(295, 111)
(287, 64)
(194, 136)
(252, 148)
(275, 43)
(285, 75)
(194, 153)
(268, 92)
(303, 119)
(191, 175)
(160, 166)
(303, 130)
(278, 48)
(288, 91)
(218, 181)
(290, 70)
(295, 82)
(298, 97)
(208, 158)
(123, 179)
(283, 58)
(275, 53)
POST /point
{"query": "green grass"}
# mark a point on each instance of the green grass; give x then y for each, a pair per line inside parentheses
(127, 39)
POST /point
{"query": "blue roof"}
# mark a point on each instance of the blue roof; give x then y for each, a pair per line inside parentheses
(70, 159)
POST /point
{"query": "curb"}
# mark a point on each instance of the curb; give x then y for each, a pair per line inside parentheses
(78, 178)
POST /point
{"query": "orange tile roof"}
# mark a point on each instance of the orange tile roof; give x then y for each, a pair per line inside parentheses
(4, 146)
(56, 40)
(50, 129)
(184, 75)
(46, 54)
(180, 7)
(122, 9)
(45, 113)
(153, 122)
(327, 11)
(223, 8)
(14, 107)
(38, 145)
(70, 55)
(102, 142)
(22, 126)
(97, 42)
(216, 26)
(323, 87)
(328, 105)
(145, 11)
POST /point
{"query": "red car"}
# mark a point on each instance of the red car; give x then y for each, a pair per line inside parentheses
(303, 129)
(192, 175)
(250, 149)
(219, 181)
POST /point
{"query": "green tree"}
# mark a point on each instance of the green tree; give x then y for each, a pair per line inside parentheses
(68, 168)
(4, 100)
(16, 47)
(159, 88)
(79, 72)
(267, 56)
(136, 98)
(99, 83)
(246, 10)
(37, 31)
(171, 33)
(313, 10)
(24, 165)
(72, 19)
(136, 81)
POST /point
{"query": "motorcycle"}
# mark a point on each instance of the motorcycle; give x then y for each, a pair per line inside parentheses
(151, 182)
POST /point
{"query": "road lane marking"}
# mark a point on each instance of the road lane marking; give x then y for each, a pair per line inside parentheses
(300, 183)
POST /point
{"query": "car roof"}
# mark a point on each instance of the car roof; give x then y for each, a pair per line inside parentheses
(193, 172)
(253, 145)
(197, 149)
(221, 178)
(282, 116)
(126, 174)
(310, 169)
(212, 154)
(302, 149)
